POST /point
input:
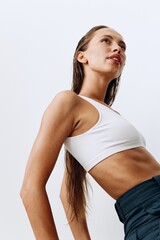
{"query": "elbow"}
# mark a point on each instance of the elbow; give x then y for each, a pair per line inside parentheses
(24, 197)
(24, 193)
(32, 189)
(29, 192)
(21, 193)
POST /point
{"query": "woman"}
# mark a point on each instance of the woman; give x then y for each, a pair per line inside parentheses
(99, 141)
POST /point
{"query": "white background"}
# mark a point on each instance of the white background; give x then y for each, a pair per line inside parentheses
(37, 41)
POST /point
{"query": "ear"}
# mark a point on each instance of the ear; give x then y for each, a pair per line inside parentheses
(81, 57)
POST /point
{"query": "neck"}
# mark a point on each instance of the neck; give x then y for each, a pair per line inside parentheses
(95, 87)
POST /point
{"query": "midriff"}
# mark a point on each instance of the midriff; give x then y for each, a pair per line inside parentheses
(122, 171)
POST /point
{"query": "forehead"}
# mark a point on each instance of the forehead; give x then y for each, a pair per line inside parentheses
(106, 31)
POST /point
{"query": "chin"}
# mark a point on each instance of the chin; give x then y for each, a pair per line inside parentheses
(114, 72)
(114, 75)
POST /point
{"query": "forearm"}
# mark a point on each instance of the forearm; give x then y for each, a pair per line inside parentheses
(40, 215)
(78, 227)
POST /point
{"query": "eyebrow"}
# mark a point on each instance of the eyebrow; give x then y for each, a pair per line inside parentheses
(120, 41)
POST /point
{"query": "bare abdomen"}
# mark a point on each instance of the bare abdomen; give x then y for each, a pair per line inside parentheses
(122, 171)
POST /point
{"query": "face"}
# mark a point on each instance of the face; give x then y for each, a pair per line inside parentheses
(106, 53)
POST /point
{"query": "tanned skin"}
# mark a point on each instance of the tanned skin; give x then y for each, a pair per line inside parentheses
(69, 115)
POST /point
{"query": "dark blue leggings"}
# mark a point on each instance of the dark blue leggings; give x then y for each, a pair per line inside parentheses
(139, 210)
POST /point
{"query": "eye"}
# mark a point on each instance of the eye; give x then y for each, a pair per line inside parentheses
(107, 40)
(123, 46)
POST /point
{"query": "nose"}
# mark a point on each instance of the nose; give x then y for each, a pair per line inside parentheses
(116, 48)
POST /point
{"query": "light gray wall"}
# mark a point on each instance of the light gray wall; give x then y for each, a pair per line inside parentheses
(37, 41)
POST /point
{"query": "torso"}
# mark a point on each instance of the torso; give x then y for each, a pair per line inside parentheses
(121, 171)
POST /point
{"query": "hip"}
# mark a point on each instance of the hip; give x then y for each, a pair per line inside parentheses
(139, 210)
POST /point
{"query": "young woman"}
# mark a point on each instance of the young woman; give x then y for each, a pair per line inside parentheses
(98, 140)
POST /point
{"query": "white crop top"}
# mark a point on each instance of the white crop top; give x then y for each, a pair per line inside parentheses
(111, 134)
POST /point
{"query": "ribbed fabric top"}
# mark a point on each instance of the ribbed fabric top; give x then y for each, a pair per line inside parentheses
(111, 134)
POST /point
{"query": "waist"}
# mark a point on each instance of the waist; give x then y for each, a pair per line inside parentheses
(119, 173)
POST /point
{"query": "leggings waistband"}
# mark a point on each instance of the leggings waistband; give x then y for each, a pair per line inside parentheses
(136, 196)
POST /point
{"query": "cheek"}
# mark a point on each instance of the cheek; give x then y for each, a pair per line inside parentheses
(93, 58)
(98, 57)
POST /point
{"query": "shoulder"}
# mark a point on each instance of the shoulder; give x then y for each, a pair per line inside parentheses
(66, 97)
(64, 102)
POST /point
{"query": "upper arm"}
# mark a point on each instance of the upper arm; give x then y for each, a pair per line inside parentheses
(57, 123)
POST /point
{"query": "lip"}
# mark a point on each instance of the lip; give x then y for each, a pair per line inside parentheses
(117, 56)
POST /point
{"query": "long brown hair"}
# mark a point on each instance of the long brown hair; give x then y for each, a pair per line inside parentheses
(76, 174)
